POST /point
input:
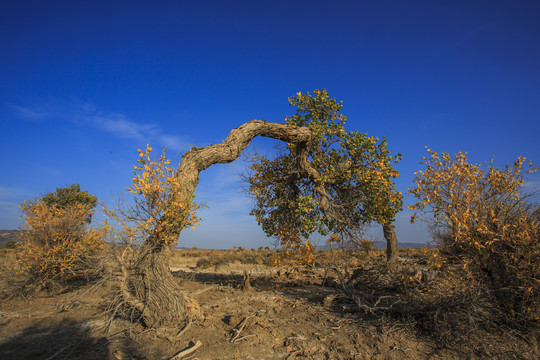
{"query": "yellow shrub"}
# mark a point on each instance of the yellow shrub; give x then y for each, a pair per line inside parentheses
(158, 202)
(367, 245)
(57, 242)
(482, 219)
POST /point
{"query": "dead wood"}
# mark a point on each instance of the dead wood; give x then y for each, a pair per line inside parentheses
(240, 327)
(246, 283)
(182, 354)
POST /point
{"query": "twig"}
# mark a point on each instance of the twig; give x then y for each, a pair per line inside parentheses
(58, 352)
(294, 353)
(395, 347)
(174, 338)
(240, 327)
(111, 318)
(181, 332)
(187, 351)
(165, 332)
(243, 337)
(200, 291)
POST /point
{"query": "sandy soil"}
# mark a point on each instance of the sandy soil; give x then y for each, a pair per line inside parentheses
(286, 315)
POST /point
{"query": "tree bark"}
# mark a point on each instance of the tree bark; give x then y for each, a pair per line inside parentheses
(149, 285)
(391, 242)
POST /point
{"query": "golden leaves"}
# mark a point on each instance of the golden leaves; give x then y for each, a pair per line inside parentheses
(57, 239)
(483, 218)
(160, 202)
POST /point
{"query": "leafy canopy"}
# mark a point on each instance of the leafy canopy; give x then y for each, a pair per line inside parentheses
(348, 182)
(70, 195)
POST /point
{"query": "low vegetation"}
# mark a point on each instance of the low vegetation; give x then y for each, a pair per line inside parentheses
(482, 220)
(58, 246)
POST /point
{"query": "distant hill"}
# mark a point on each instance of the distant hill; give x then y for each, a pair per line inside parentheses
(8, 235)
(13, 235)
(411, 245)
(382, 245)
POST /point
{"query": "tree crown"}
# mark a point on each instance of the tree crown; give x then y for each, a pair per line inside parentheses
(70, 195)
(348, 182)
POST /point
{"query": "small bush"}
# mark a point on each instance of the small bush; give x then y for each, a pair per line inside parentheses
(366, 245)
(58, 245)
(481, 219)
(11, 244)
(204, 263)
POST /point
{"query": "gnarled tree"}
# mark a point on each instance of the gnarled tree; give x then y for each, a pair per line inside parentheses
(166, 199)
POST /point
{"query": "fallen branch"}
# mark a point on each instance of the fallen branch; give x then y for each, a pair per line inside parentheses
(59, 352)
(240, 327)
(181, 332)
(243, 337)
(187, 351)
(294, 353)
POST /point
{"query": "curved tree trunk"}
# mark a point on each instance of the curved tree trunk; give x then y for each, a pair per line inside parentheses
(391, 241)
(149, 286)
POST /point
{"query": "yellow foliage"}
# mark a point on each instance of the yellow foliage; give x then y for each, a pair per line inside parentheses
(481, 218)
(57, 242)
(159, 202)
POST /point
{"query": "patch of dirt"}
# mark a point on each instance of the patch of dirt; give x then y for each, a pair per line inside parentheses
(286, 315)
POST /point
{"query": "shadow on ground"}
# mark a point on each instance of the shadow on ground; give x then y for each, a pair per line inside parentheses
(64, 340)
(444, 324)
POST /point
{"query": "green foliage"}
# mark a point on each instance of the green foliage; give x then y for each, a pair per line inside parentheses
(350, 183)
(71, 195)
(11, 244)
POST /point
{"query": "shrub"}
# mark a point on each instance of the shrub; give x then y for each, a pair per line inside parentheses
(70, 195)
(366, 245)
(481, 218)
(58, 245)
(11, 244)
(203, 263)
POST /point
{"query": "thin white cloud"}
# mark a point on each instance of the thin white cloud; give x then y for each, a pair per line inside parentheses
(173, 142)
(49, 171)
(8, 192)
(9, 215)
(119, 126)
(8, 204)
(10, 198)
(532, 185)
(116, 124)
(29, 114)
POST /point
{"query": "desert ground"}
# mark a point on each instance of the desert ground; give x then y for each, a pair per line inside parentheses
(252, 310)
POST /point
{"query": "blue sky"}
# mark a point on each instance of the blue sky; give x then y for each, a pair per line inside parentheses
(83, 85)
